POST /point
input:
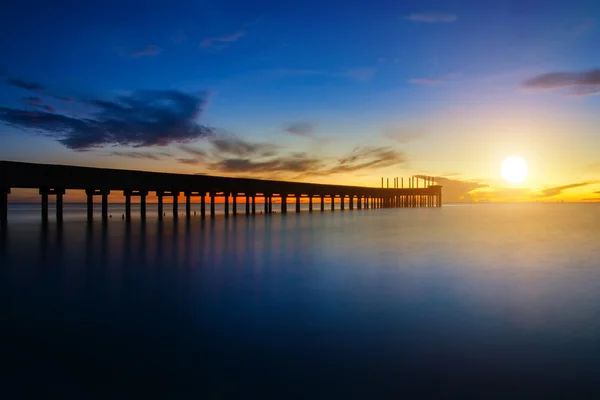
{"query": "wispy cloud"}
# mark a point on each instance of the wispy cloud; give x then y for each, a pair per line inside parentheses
(401, 135)
(432, 17)
(433, 81)
(300, 129)
(577, 83)
(553, 191)
(35, 87)
(150, 50)
(361, 74)
(219, 42)
(238, 147)
(37, 102)
(136, 155)
(144, 118)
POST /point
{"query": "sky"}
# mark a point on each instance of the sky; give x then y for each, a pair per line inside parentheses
(325, 92)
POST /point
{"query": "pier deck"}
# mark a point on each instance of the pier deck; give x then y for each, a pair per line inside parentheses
(55, 180)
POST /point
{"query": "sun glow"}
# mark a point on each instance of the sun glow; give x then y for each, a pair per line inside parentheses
(514, 169)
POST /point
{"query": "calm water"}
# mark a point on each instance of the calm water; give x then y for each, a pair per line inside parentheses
(483, 300)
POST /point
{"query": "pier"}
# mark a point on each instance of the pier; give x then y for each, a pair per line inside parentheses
(55, 180)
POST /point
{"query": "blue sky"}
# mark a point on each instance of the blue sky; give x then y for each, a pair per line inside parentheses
(345, 91)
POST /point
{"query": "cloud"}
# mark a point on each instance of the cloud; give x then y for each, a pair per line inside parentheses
(432, 17)
(457, 190)
(361, 74)
(189, 161)
(553, 191)
(150, 50)
(300, 129)
(220, 42)
(433, 81)
(238, 147)
(37, 103)
(193, 151)
(137, 155)
(298, 163)
(34, 87)
(578, 83)
(302, 165)
(400, 135)
(141, 119)
(27, 85)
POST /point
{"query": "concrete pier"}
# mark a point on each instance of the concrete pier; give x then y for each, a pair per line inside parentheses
(55, 180)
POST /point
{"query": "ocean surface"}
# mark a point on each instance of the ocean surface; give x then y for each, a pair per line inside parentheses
(482, 301)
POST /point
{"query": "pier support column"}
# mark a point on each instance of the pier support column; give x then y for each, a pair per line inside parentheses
(59, 205)
(90, 204)
(143, 205)
(4, 192)
(234, 204)
(297, 203)
(322, 203)
(351, 202)
(247, 204)
(284, 203)
(342, 201)
(212, 204)
(310, 203)
(175, 204)
(253, 204)
(266, 205)
(202, 205)
(159, 195)
(44, 194)
(271, 204)
(332, 202)
(188, 206)
(226, 204)
(104, 197)
(359, 200)
(127, 205)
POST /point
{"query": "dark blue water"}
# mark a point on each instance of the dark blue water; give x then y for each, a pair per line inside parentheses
(486, 301)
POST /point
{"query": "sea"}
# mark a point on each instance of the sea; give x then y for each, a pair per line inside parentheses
(464, 301)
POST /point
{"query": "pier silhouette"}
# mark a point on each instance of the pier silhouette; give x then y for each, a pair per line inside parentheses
(55, 180)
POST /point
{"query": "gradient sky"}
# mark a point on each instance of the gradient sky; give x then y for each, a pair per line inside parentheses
(341, 93)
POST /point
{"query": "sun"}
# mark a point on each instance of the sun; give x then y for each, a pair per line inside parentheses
(514, 169)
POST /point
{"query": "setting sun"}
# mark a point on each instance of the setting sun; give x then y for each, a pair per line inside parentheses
(514, 169)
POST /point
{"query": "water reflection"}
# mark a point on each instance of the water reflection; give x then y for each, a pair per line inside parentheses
(401, 303)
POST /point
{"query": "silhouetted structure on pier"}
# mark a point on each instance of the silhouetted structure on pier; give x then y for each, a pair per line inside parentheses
(54, 180)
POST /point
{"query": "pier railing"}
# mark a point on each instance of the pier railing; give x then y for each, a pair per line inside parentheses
(55, 180)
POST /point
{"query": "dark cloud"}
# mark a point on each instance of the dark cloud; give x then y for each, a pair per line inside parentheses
(193, 151)
(296, 164)
(27, 85)
(578, 83)
(37, 103)
(145, 118)
(138, 155)
(432, 17)
(368, 157)
(189, 161)
(35, 87)
(553, 191)
(300, 128)
(238, 147)
(150, 50)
